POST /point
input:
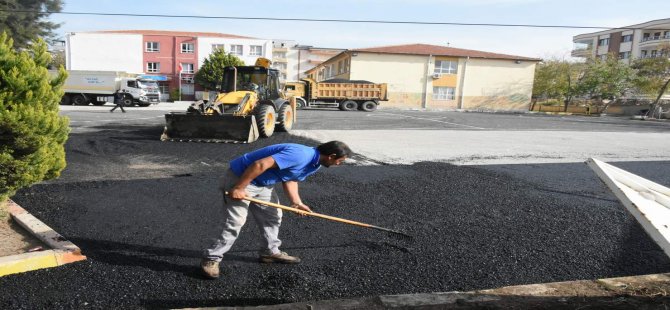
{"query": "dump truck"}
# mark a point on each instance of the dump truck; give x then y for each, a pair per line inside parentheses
(347, 95)
(249, 105)
(84, 87)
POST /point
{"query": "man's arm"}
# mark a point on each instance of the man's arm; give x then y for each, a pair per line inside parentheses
(291, 190)
(257, 168)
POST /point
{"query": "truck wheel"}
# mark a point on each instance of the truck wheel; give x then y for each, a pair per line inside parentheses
(79, 100)
(369, 106)
(128, 101)
(265, 119)
(300, 103)
(285, 118)
(65, 100)
(348, 105)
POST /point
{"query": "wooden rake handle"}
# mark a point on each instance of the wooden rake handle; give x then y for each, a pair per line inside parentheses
(302, 212)
(323, 216)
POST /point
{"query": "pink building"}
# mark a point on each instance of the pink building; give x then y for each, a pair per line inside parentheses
(159, 55)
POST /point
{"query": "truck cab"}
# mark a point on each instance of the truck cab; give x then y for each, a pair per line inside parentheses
(142, 92)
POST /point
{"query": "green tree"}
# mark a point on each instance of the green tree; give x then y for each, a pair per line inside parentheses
(210, 74)
(653, 75)
(26, 20)
(556, 79)
(606, 79)
(32, 134)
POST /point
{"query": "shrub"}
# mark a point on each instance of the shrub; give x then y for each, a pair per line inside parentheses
(32, 134)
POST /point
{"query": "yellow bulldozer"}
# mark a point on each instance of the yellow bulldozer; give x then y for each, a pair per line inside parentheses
(249, 105)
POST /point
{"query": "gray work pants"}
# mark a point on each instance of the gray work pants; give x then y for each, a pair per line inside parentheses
(268, 219)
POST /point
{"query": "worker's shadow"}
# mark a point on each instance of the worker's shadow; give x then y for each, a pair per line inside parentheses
(154, 258)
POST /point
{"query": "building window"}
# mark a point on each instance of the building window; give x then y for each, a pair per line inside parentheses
(279, 65)
(255, 50)
(279, 54)
(152, 47)
(624, 55)
(653, 53)
(236, 50)
(445, 67)
(346, 65)
(603, 42)
(153, 67)
(218, 47)
(187, 68)
(187, 79)
(340, 67)
(443, 93)
(627, 38)
(187, 48)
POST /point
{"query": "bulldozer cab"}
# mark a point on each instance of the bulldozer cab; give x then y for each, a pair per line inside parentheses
(263, 81)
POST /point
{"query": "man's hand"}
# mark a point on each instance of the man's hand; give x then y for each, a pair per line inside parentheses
(301, 206)
(237, 193)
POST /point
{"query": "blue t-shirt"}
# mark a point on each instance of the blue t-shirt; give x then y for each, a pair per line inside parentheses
(295, 163)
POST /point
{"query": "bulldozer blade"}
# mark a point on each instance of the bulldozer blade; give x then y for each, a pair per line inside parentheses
(225, 128)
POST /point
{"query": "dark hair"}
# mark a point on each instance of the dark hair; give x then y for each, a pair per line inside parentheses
(336, 148)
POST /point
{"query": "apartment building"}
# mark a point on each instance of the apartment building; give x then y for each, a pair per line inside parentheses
(437, 77)
(170, 57)
(635, 41)
(285, 59)
(293, 60)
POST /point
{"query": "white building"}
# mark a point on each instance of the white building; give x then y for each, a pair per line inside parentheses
(630, 42)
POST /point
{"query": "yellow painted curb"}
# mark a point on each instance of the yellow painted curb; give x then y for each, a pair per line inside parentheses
(27, 262)
(62, 251)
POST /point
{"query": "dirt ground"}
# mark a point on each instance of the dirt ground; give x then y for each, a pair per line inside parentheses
(13, 238)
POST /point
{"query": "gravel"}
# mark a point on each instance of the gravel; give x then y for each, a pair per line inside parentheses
(142, 210)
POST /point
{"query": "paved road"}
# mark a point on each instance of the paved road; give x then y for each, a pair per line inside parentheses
(142, 210)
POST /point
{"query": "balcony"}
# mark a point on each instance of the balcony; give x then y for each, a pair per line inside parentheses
(654, 56)
(279, 59)
(582, 48)
(280, 49)
(582, 52)
(654, 40)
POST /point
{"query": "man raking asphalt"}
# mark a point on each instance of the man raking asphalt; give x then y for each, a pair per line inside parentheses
(254, 175)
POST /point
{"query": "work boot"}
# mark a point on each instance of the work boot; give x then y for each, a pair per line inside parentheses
(280, 257)
(210, 268)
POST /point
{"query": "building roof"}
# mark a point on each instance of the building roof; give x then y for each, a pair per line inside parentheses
(656, 24)
(436, 50)
(176, 33)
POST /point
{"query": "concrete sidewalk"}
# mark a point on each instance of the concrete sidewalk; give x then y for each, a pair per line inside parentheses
(637, 292)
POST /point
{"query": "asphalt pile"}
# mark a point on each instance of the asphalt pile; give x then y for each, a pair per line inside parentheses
(142, 210)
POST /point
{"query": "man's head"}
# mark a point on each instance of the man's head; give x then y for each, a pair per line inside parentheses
(333, 153)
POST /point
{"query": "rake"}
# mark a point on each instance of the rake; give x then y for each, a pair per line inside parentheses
(328, 217)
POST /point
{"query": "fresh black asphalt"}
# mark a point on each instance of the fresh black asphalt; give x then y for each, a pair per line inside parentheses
(142, 228)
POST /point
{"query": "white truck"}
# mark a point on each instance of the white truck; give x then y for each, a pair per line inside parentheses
(98, 87)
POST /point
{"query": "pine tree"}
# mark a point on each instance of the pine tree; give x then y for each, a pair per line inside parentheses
(210, 74)
(25, 21)
(32, 134)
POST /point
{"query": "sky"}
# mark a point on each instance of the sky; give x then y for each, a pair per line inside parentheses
(543, 43)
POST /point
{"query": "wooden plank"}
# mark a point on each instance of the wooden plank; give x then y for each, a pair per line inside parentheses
(647, 201)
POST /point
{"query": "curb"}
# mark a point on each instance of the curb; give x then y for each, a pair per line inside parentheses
(627, 292)
(62, 251)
